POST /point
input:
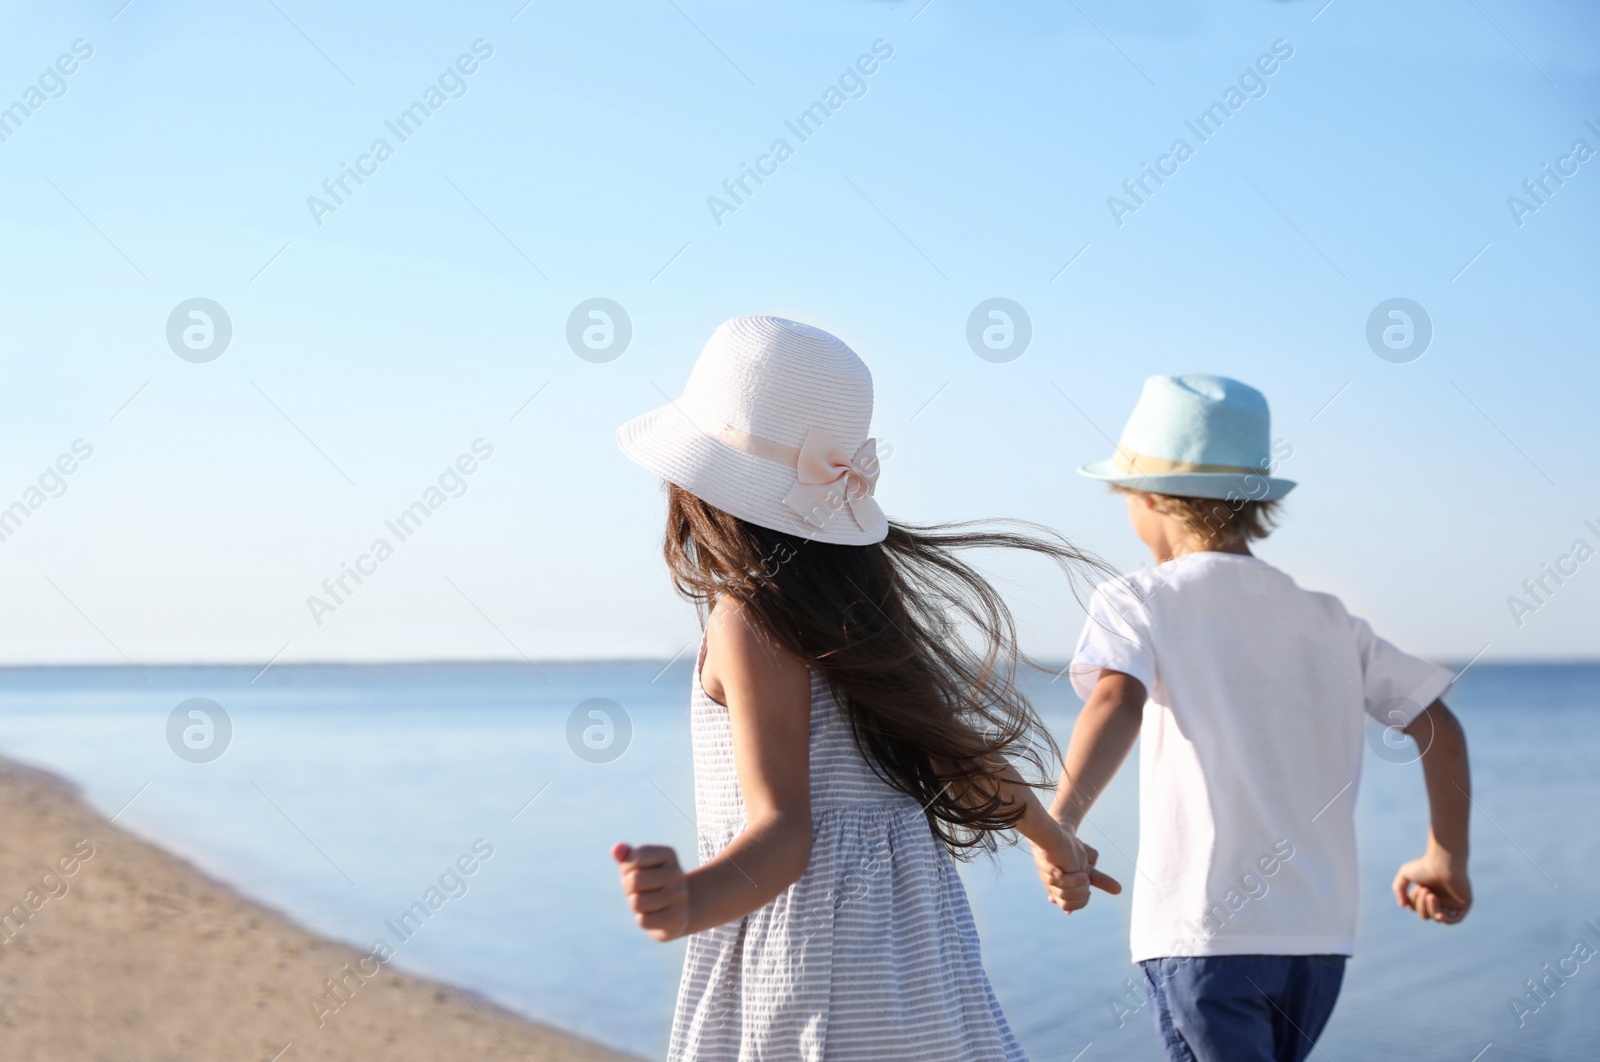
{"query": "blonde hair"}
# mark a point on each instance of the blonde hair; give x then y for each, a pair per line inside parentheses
(1218, 521)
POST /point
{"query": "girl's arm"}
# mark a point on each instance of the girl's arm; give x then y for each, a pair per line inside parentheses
(767, 691)
(1066, 864)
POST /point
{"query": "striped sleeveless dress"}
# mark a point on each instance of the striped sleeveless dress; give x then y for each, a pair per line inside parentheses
(871, 955)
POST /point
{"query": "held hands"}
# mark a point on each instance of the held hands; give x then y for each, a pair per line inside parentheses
(1435, 887)
(1066, 866)
(656, 887)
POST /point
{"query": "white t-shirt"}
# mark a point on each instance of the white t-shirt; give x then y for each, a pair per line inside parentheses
(1251, 750)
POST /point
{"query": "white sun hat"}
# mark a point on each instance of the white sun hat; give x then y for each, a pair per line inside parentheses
(1196, 436)
(772, 428)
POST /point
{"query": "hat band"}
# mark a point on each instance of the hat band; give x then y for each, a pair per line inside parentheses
(828, 478)
(1138, 464)
(756, 446)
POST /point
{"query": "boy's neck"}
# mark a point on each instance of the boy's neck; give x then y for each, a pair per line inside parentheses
(1166, 551)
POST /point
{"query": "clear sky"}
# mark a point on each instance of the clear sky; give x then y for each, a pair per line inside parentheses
(568, 151)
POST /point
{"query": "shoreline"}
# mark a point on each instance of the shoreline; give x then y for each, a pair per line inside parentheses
(113, 948)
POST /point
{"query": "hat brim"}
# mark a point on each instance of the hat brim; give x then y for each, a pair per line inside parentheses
(667, 442)
(1219, 485)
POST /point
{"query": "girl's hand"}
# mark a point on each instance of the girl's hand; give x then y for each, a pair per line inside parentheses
(1066, 866)
(656, 887)
(1068, 891)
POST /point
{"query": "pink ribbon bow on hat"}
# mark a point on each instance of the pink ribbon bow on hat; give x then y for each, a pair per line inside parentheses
(831, 479)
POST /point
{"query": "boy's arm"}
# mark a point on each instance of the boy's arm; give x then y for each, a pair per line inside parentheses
(1106, 729)
(1101, 739)
(1436, 885)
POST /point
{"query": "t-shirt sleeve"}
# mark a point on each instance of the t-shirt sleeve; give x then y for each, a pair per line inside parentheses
(1396, 686)
(1116, 635)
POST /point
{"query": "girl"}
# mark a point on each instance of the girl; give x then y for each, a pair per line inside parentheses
(847, 741)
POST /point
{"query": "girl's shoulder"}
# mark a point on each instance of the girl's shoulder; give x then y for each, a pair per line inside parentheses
(741, 652)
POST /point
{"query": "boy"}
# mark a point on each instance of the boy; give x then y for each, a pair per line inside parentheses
(1249, 693)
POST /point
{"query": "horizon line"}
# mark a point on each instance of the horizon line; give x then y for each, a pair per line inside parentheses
(597, 660)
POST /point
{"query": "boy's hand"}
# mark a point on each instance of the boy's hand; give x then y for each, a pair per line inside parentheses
(1066, 866)
(656, 887)
(1435, 887)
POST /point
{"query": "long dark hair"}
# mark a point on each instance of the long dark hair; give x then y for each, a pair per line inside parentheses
(888, 626)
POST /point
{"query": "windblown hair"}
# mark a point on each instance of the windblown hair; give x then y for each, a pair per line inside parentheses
(888, 626)
(1219, 522)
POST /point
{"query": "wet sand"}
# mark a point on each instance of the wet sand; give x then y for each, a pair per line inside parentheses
(114, 950)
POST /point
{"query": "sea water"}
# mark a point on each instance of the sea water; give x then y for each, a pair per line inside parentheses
(346, 793)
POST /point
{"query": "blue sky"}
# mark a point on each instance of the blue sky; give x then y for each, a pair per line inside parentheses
(371, 350)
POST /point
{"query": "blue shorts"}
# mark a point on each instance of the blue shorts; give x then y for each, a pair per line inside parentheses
(1242, 1008)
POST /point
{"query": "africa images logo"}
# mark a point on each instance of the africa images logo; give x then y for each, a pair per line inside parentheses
(851, 84)
(51, 85)
(451, 85)
(1252, 85)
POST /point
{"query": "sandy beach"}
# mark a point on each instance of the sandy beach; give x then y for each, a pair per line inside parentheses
(114, 949)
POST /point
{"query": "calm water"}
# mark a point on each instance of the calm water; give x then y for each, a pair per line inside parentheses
(345, 792)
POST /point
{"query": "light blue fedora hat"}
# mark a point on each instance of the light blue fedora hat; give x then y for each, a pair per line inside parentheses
(1196, 436)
